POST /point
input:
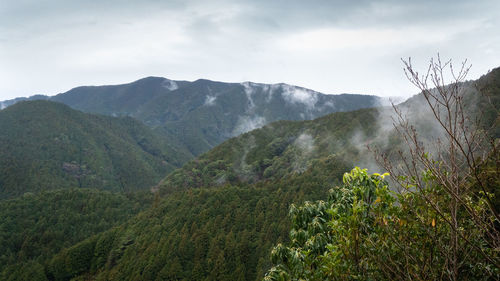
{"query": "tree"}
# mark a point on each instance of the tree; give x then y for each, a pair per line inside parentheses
(440, 224)
(451, 166)
(329, 238)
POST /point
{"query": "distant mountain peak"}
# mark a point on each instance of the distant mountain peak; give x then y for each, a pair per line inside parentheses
(166, 83)
(201, 114)
(150, 79)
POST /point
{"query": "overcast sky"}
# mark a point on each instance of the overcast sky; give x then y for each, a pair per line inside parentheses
(51, 46)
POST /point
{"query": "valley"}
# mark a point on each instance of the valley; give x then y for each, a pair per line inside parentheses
(214, 217)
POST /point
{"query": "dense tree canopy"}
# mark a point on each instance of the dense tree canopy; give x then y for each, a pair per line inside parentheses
(46, 145)
(364, 231)
(441, 220)
(218, 216)
(36, 226)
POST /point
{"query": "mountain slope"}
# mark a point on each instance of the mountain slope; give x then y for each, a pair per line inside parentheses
(220, 214)
(278, 150)
(223, 233)
(196, 116)
(7, 103)
(117, 100)
(205, 113)
(34, 227)
(47, 145)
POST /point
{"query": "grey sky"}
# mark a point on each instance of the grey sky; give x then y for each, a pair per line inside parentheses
(50, 46)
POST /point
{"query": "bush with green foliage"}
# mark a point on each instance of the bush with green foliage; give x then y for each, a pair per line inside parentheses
(367, 232)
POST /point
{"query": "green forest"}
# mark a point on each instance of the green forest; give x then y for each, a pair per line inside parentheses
(368, 194)
(34, 227)
(47, 145)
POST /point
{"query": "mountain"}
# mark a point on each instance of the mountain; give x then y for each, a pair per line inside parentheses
(219, 214)
(118, 100)
(206, 113)
(217, 217)
(47, 145)
(279, 150)
(7, 103)
(196, 116)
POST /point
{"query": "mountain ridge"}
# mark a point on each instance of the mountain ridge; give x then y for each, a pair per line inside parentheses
(196, 116)
(47, 145)
(217, 217)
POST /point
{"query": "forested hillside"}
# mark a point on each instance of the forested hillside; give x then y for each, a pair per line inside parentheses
(218, 216)
(241, 140)
(34, 227)
(47, 145)
(279, 150)
(196, 116)
(437, 219)
(235, 204)
(286, 147)
(224, 233)
(232, 222)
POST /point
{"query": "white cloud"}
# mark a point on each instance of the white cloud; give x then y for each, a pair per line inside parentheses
(248, 123)
(171, 85)
(294, 94)
(305, 142)
(328, 46)
(335, 38)
(210, 100)
(249, 89)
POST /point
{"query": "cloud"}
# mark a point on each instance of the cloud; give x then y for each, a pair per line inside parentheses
(248, 123)
(293, 94)
(328, 46)
(305, 142)
(335, 38)
(169, 84)
(249, 90)
(210, 100)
